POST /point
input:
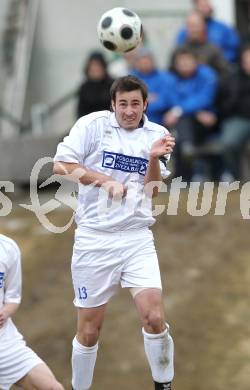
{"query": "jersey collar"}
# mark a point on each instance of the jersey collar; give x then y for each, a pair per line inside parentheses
(114, 123)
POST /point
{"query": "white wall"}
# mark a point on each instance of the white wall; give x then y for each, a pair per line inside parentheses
(224, 10)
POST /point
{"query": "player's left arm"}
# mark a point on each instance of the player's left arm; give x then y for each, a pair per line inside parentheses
(159, 148)
(12, 286)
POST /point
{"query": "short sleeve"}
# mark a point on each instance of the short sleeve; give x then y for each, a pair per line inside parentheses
(13, 281)
(75, 146)
(165, 172)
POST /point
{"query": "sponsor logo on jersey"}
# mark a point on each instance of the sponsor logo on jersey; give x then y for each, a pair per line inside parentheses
(122, 162)
(1, 279)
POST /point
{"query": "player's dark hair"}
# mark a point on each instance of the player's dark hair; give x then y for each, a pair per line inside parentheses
(182, 50)
(128, 84)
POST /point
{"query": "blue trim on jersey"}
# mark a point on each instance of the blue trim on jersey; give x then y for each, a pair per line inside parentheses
(1, 279)
(122, 162)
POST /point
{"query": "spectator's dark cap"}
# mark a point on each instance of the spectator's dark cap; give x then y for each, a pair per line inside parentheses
(97, 56)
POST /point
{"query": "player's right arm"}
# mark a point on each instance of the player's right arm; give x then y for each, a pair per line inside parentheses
(75, 148)
(79, 174)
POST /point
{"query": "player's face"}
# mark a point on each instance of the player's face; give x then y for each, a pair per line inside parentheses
(129, 108)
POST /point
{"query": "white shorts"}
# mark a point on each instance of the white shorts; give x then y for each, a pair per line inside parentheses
(16, 360)
(104, 260)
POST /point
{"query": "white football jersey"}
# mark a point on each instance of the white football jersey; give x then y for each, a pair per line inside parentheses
(98, 143)
(10, 283)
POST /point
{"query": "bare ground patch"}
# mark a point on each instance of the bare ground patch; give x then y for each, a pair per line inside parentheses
(205, 263)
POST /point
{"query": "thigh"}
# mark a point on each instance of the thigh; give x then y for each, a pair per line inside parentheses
(141, 267)
(16, 361)
(39, 377)
(96, 269)
(235, 132)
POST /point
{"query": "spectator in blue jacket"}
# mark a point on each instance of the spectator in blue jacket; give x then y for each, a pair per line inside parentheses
(220, 34)
(197, 42)
(157, 81)
(192, 115)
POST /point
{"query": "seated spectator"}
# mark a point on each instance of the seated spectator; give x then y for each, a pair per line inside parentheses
(93, 94)
(197, 43)
(157, 81)
(234, 104)
(122, 64)
(220, 34)
(192, 115)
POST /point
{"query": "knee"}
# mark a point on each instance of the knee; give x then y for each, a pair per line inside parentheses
(58, 386)
(88, 335)
(154, 322)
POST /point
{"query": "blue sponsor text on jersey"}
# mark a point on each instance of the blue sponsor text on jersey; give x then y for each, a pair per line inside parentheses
(1, 279)
(122, 162)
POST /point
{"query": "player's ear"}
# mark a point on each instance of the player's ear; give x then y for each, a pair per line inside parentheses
(112, 105)
(145, 106)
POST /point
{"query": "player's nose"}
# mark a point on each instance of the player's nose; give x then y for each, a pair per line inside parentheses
(129, 111)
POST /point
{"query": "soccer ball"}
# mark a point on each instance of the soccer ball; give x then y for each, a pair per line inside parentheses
(120, 30)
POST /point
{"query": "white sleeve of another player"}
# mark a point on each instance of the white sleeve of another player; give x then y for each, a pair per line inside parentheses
(75, 146)
(13, 282)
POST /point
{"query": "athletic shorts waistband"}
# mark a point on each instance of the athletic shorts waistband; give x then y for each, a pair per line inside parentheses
(114, 233)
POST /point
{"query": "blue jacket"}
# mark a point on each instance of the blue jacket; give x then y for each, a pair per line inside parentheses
(223, 36)
(197, 92)
(159, 91)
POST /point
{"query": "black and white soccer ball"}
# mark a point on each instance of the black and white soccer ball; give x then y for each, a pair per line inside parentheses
(120, 30)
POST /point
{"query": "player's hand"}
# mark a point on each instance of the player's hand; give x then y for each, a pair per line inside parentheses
(116, 190)
(162, 146)
(3, 318)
